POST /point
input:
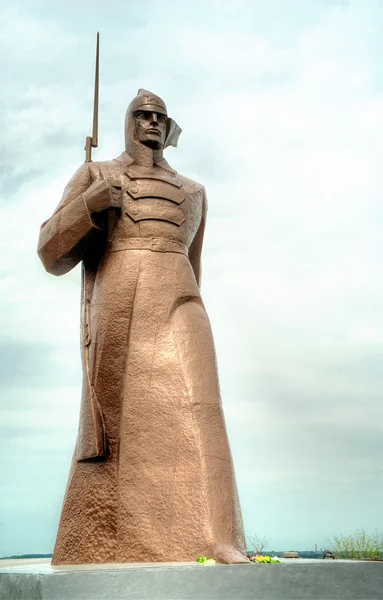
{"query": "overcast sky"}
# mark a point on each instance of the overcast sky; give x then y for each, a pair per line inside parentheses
(281, 106)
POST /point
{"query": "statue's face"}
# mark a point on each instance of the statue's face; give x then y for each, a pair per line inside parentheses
(150, 128)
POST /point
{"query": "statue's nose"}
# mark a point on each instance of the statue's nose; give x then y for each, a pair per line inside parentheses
(154, 118)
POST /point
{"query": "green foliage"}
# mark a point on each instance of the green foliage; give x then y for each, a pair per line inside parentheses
(205, 560)
(359, 544)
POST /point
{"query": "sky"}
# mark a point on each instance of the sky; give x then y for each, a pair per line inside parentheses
(281, 107)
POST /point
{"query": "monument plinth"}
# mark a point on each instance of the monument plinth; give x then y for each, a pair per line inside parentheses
(294, 580)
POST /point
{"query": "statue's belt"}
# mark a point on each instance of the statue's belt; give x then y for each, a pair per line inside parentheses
(156, 244)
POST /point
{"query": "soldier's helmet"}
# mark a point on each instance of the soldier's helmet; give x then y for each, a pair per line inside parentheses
(146, 100)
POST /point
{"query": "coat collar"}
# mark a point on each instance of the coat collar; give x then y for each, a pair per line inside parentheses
(127, 160)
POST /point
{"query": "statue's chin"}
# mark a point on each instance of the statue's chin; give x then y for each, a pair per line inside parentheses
(153, 144)
(228, 555)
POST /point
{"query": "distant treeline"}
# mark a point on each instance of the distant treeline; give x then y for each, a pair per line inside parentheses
(302, 553)
(27, 556)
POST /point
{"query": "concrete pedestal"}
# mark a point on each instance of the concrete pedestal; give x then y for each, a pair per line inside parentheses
(293, 580)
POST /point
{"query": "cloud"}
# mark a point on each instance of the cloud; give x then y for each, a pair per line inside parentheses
(36, 363)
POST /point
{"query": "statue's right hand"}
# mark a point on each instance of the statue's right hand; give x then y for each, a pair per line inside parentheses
(101, 196)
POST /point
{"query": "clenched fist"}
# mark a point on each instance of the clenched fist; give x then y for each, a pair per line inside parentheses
(100, 196)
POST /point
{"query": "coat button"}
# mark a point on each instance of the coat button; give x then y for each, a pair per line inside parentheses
(133, 189)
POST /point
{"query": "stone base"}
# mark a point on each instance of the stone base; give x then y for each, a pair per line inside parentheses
(292, 580)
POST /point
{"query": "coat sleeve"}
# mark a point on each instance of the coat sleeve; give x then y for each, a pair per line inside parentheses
(195, 249)
(63, 237)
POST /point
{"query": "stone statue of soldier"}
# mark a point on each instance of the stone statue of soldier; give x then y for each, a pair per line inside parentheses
(152, 476)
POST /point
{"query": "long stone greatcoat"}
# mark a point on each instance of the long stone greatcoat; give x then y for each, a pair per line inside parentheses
(152, 476)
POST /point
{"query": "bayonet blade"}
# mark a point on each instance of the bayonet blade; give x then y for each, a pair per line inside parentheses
(92, 142)
(96, 89)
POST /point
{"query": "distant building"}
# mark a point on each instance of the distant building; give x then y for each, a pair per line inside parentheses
(291, 554)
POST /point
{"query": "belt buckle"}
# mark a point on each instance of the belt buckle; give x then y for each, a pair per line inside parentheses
(155, 244)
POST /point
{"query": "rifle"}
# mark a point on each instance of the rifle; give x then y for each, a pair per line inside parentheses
(99, 442)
